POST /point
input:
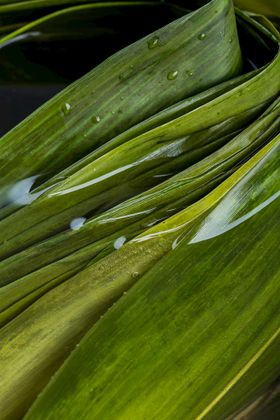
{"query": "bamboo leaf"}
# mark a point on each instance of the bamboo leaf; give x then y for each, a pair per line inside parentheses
(97, 237)
(197, 330)
(266, 405)
(49, 328)
(89, 189)
(45, 56)
(270, 8)
(70, 121)
(170, 173)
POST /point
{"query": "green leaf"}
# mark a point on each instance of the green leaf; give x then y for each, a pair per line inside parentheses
(190, 339)
(270, 8)
(96, 238)
(101, 104)
(87, 193)
(44, 57)
(267, 405)
(36, 341)
(198, 332)
(16, 13)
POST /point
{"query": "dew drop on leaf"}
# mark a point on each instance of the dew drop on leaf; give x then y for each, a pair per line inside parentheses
(66, 108)
(153, 42)
(119, 242)
(77, 223)
(202, 36)
(172, 75)
(96, 119)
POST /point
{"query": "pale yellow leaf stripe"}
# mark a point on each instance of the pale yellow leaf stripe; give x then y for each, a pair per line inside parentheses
(238, 376)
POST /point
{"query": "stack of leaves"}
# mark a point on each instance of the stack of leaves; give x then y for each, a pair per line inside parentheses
(139, 210)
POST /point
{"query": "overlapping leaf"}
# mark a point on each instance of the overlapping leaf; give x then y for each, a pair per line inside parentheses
(50, 326)
(174, 346)
(97, 237)
(101, 182)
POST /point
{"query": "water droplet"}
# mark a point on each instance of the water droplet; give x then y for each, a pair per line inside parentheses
(122, 98)
(66, 108)
(77, 223)
(153, 42)
(119, 242)
(96, 119)
(135, 275)
(230, 40)
(202, 36)
(189, 73)
(172, 75)
(19, 193)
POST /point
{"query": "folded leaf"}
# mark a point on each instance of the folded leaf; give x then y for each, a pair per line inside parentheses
(190, 339)
(131, 85)
(270, 8)
(267, 405)
(189, 288)
(35, 343)
(83, 187)
(47, 55)
(98, 236)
